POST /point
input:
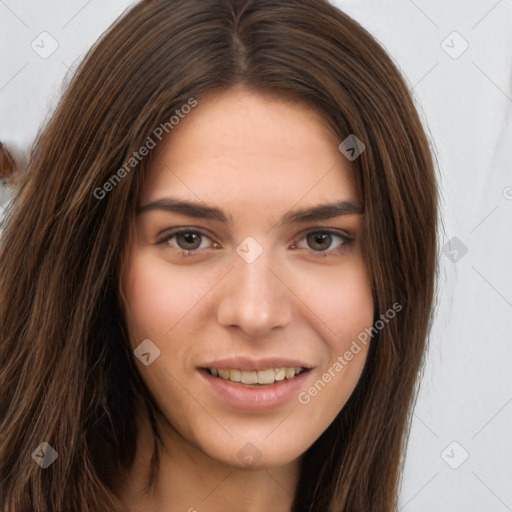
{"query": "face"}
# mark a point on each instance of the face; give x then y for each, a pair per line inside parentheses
(238, 268)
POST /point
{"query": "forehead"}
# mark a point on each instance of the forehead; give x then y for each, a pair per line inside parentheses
(251, 151)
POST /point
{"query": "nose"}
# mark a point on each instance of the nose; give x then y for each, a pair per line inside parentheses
(254, 297)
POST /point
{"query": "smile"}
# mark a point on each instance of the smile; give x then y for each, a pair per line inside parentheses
(256, 377)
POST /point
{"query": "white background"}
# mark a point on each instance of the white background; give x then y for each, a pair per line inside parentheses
(465, 402)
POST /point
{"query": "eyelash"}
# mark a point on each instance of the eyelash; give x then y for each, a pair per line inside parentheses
(328, 253)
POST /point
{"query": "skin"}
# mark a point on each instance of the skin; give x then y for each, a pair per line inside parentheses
(256, 158)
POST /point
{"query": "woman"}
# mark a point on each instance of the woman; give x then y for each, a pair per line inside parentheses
(218, 272)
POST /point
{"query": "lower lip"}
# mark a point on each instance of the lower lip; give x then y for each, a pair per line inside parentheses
(261, 398)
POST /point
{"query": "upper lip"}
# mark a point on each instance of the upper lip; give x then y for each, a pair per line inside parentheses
(248, 364)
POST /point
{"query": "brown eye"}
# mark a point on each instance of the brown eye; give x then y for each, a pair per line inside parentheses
(319, 241)
(188, 240)
(325, 242)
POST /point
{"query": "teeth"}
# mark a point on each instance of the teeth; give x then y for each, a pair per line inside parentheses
(290, 373)
(264, 377)
(267, 376)
(235, 375)
(223, 374)
(280, 373)
(249, 377)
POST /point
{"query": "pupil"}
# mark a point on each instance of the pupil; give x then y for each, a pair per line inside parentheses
(320, 239)
(189, 238)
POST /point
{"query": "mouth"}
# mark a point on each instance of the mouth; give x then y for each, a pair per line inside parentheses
(256, 386)
(256, 378)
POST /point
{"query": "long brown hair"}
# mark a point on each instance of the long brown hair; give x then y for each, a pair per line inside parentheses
(67, 373)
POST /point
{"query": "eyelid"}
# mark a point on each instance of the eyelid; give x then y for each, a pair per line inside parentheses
(168, 234)
(347, 239)
(331, 231)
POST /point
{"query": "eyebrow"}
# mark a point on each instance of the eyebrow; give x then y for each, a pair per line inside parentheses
(201, 211)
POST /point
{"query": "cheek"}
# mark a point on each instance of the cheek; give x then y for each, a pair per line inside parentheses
(162, 300)
(160, 295)
(343, 308)
(340, 300)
